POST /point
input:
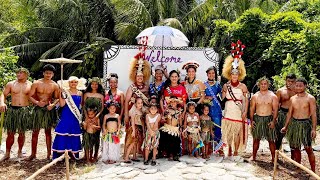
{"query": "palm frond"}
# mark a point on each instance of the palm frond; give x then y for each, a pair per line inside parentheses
(14, 39)
(65, 48)
(132, 11)
(155, 10)
(43, 34)
(172, 22)
(127, 32)
(30, 52)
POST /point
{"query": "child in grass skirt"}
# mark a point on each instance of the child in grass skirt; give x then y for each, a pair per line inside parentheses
(91, 125)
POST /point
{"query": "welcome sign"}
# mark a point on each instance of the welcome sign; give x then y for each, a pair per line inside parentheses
(117, 59)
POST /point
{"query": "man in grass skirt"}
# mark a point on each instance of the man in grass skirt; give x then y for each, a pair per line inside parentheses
(301, 122)
(44, 95)
(263, 113)
(18, 113)
(284, 94)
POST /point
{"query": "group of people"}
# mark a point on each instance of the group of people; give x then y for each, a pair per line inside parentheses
(166, 118)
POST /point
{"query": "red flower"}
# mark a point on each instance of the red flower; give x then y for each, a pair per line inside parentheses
(233, 45)
(241, 53)
(243, 46)
(238, 49)
(239, 42)
(236, 56)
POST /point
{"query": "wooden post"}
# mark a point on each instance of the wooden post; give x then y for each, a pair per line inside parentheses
(66, 157)
(45, 167)
(275, 164)
(299, 165)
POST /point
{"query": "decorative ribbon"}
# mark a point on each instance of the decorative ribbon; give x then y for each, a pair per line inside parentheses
(72, 106)
(136, 91)
(214, 97)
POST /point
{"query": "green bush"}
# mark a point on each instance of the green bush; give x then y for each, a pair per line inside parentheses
(8, 61)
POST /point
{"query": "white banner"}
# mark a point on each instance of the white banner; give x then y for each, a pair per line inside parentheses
(117, 59)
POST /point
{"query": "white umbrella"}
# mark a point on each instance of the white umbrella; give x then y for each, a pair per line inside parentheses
(61, 60)
(164, 36)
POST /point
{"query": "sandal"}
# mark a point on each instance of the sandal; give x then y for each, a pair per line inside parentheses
(127, 162)
(176, 158)
(135, 160)
(146, 162)
(153, 163)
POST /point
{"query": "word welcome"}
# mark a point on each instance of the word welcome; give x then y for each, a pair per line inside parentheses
(156, 57)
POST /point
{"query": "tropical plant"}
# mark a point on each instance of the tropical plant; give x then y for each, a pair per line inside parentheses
(8, 65)
(64, 27)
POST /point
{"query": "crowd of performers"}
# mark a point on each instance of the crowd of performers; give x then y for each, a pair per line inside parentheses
(166, 118)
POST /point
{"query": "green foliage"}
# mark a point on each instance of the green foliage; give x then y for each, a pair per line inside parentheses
(309, 9)
(8, 61)
(289, 66)
(287, 20)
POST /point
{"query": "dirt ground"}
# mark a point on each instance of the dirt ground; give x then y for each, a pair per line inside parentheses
(18, 169)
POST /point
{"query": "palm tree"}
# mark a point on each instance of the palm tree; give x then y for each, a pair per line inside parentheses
(77, 28)
(193, 17)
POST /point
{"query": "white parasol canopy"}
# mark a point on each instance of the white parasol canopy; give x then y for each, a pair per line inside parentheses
(61, 60)
(164, 36)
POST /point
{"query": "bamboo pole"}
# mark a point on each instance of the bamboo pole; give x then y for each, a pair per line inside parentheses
(67, 164)
(299, 165)
(45, 167)
(275, 165)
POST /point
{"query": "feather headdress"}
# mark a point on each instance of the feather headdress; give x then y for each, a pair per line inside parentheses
(234, 63)
(139, 65)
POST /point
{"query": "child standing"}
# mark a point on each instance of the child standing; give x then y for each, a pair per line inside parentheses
(136, 131)
(91, 125)
(152, 137)
(192, 127)
(206, 130)
(170, 131)
(111, 135)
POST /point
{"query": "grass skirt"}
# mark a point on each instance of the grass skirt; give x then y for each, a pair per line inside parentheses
(231, 130)
(261, 129)
(299, 132)
(281, 120)
(43, 118)
(110, 150)
(194, 133)
(18, 119)
(206, 137)
(90, 140)
(151, 142)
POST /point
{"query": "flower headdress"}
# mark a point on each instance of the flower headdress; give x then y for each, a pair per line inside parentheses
(81, 83)
(234, 64)
(112, 103)
(112, 75)
(139, 65)
(95, 79)
(22, 69)
(153, 104)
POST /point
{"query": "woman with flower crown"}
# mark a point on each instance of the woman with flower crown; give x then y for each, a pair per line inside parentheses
(234, 128)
